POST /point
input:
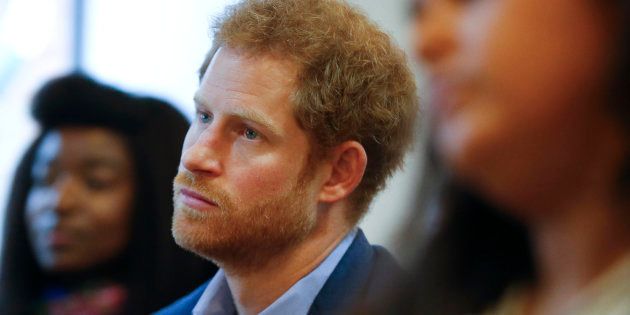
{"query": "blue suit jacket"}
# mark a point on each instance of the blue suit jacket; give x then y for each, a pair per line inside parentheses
(364, 272)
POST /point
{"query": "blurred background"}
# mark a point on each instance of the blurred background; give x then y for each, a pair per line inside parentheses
(149, 47)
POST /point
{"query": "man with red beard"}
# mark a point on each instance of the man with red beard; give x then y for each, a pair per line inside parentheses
(304, 110)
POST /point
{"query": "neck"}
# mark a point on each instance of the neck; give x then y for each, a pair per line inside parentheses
(576, 246)
(255, 290)
(583, 230)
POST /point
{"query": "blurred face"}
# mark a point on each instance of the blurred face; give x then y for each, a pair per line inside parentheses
(79, 207)
(518, 90)
(244, 192)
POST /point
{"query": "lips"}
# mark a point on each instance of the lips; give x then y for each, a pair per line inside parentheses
(443, 98)
(196, 201)
(450, 93)
(59, 238)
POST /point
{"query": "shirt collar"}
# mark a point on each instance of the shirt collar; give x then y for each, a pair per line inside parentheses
(217, 298)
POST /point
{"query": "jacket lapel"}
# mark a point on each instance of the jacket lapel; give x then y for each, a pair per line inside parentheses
(348, 281)
(186, 304)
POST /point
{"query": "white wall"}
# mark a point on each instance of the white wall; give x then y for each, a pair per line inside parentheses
(34, 46)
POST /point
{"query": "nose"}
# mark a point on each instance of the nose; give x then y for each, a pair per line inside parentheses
(67, 194)
(202, 152)
(434, 32)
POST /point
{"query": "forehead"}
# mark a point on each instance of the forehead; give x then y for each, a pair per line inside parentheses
(79, 143)
(237, 81)
(267, 70)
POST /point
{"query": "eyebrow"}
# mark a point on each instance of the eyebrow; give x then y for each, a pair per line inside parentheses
(103, 161)
(246, 114)
(88, 165)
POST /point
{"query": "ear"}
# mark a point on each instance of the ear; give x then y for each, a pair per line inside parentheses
(347, 166)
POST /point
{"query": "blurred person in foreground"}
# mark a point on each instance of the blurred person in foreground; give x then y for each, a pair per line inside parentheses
(304, 109)
(87, 227)
(530, 129)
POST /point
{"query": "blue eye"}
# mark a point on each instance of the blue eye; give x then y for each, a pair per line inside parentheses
(205, 118)
(251, 134)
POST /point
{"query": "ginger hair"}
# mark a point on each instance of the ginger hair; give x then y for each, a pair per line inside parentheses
(353, 82)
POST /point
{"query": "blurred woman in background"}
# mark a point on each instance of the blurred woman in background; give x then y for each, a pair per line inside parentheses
(530, 133)
(88, 223)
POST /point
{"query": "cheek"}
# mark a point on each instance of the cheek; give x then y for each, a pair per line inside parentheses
(265, 180)
(534, 59)
(110, 218)
(39, 203)
(39, 218)
(533, 76)
(264, 177)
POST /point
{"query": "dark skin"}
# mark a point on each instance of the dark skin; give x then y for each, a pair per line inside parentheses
(520, 115)
(79, 207)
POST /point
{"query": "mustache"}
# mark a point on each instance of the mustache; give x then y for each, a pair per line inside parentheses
(202, 186)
